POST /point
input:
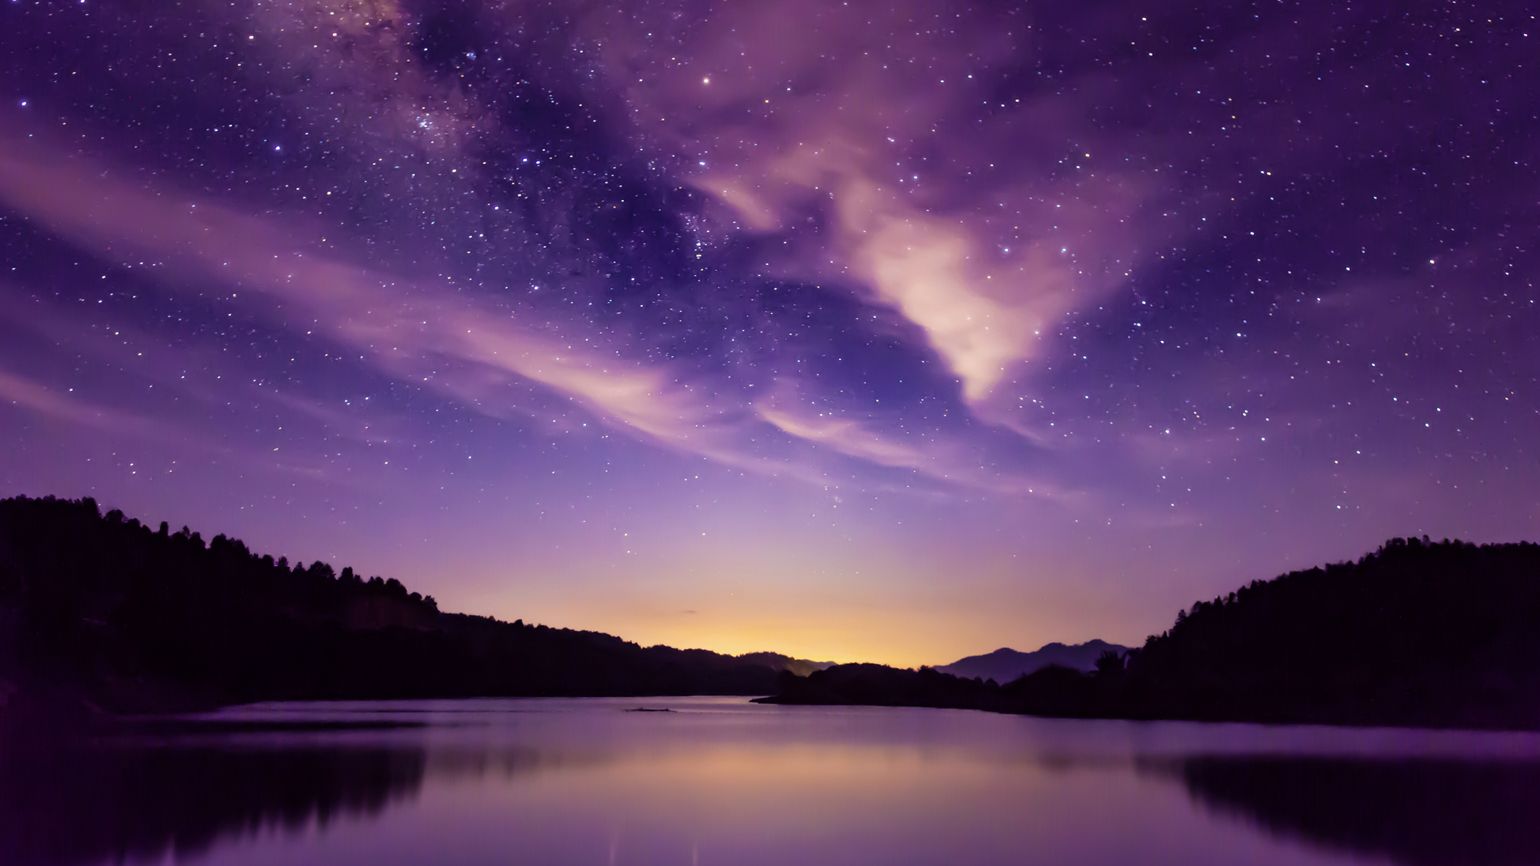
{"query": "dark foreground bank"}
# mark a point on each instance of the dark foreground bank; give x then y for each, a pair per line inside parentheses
(1417, 633)
(99, 612)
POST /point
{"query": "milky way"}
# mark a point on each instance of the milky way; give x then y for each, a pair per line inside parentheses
(892, 331)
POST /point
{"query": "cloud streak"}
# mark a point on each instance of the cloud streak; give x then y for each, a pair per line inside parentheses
(811, 119)
(32, 395)
(479, 355)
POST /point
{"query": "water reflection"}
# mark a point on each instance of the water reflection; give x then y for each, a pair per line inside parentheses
(1414, 811)
(724, 782)
(104, 802)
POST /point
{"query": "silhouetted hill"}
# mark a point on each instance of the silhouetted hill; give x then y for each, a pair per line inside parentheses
(102, 610)
(880, 685)
(1006, 664)
(778, 662)
(1417, 633)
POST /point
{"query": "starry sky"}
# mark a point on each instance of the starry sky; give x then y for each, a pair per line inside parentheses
(861, 331)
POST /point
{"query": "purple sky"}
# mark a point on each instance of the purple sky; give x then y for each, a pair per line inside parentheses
(892, 331)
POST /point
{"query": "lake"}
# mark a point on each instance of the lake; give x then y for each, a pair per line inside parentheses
(724, 781)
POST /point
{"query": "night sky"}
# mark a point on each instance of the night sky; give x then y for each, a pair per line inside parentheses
(884, 331)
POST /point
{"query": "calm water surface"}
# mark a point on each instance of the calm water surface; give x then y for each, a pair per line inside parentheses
(722, 781)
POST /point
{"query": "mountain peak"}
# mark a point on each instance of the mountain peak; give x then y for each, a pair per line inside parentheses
(1006, 664)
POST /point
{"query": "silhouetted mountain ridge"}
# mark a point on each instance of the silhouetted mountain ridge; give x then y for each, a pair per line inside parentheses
(98, 609)
(779, 662)
(1422, 633)
(1006, 664)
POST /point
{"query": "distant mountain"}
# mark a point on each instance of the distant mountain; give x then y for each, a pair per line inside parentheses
(1417, 633)
(778, 662)
(99, 610)
(1006, 664)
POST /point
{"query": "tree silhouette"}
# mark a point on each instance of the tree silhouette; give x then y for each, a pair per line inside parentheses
(1109, 664)
(122, 617)
(1416, 633)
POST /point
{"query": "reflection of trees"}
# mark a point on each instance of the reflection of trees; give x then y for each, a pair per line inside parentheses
(75, 802)
(1418, 812)
(81, 805)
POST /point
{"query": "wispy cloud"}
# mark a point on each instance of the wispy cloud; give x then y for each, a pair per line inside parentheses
(936, 457)
(468, 350)
(983, 263)
(32, 395)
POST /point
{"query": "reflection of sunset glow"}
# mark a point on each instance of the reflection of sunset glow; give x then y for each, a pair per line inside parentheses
(726, 782)
(721, 781)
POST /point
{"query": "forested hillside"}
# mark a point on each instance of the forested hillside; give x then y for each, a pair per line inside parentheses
(99, 609)
(1416, 633)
